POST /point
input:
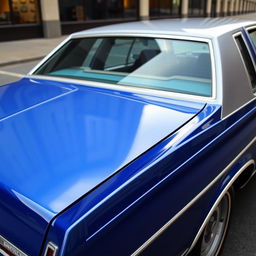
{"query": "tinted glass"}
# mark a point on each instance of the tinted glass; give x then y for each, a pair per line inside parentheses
(82, 10)
(164, 8)
(162, 64)
(247, 61)
(197, 8)
(19, 12)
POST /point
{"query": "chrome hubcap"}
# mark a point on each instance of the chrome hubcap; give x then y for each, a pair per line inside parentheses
(215, 229)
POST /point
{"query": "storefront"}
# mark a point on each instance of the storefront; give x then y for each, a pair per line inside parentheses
(20, 19)
(165, 8)
(23, 19)
(82, 14)
(197, 8)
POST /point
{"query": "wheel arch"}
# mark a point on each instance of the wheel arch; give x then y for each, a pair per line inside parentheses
(239, 179)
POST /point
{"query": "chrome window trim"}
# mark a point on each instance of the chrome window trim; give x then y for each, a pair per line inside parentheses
(247, 74)
(213, 97)
(3, 253)
(250, 28)
(248, 31)
(253, 62)
(195, 199)
(127, 88)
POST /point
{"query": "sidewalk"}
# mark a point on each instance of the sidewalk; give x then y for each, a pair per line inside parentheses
(34, 49)
(26, 50)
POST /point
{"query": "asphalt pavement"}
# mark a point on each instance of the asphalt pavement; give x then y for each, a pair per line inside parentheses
(242, 232)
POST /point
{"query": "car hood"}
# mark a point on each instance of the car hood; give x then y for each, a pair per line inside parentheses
(60, 140)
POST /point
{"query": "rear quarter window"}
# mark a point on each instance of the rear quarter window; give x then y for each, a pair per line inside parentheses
(252, 34)
(247, 60)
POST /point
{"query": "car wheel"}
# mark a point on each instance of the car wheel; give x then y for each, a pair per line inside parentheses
(215, 231)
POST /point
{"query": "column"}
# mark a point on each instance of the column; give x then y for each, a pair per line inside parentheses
(218, 6)
(144, 9)
(225, 7)
(232, 7)
(184, 9)
(246, 6)
(241, 10)
(237, 7)
(208, 8)
(50, 18)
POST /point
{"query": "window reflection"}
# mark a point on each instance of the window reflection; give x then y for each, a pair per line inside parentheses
(25, 11)
(159, 8)
(197, 8)
(19, 11)
(4, 12)
(82, 10)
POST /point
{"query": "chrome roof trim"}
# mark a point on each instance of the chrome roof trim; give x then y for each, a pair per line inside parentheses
(211, 99)
(194, 200)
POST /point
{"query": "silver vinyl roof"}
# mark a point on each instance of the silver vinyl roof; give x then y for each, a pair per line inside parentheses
(231, 83)
(197, 27)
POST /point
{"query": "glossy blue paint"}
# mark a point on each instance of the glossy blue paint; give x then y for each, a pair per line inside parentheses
(91, 218)
(152, 185)
(60, 140)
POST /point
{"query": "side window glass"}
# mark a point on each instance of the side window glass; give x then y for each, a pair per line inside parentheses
(252, 34)
(247, 60)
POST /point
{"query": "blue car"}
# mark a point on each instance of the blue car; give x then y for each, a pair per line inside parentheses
(130, 139)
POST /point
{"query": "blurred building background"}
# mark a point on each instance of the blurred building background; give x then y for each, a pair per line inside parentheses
(23, 19)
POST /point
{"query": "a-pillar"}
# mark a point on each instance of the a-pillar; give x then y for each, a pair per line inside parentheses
(144, 9)
(50, 18)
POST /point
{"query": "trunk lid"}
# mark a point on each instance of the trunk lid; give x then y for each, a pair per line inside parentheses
(59, 141)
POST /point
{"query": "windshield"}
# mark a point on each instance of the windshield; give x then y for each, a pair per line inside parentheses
(180, 66)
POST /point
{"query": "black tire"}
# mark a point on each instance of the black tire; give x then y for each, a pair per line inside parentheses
(215, 231)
